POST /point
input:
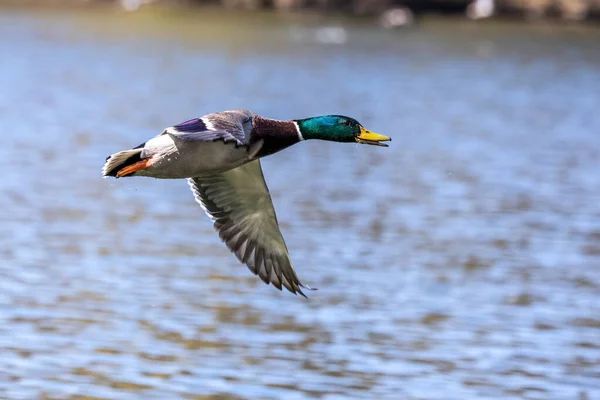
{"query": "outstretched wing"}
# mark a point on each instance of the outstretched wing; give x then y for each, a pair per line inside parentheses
(239, 203)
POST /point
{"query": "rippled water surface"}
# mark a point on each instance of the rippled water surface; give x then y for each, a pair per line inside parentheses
(463, 262)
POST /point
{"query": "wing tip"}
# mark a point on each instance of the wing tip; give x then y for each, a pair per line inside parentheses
(306, 287)
(295, 288)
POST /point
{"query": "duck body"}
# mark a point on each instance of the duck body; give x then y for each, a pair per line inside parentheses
(210, 144)
(219, 154)
(170, 158)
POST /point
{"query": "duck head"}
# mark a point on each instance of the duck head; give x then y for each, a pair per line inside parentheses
(338, 128)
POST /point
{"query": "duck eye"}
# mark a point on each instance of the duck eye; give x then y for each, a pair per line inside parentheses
(346, 123)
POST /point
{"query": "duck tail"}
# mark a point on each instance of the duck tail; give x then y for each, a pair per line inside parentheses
(121, 160)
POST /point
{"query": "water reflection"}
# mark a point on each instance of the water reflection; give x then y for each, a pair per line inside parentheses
(462, 262)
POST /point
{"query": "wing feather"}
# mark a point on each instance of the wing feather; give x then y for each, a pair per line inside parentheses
(228, 126)
(239, 203)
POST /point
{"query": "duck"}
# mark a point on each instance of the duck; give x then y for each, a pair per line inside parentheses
(219, 156)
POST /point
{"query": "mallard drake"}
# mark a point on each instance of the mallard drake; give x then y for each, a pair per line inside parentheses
(219, 155)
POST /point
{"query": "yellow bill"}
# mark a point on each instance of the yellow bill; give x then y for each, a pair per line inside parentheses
(371, 138)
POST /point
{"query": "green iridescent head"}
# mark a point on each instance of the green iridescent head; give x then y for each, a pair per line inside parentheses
(337, 128)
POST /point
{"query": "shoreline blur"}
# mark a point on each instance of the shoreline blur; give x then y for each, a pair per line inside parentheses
(388, 13)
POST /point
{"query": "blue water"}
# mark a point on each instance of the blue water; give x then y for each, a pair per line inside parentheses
(462, 262)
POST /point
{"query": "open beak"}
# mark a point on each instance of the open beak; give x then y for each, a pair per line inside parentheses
(374, 139)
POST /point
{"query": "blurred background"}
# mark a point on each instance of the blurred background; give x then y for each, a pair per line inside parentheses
(462, 262)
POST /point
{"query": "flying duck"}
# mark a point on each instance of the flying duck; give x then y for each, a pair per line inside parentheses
(219, 155)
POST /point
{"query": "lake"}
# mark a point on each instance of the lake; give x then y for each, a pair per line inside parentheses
(462, 262)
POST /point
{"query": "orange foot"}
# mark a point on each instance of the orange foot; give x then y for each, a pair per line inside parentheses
(143, 164)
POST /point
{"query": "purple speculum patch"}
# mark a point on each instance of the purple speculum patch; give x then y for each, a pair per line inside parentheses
(195, 125)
